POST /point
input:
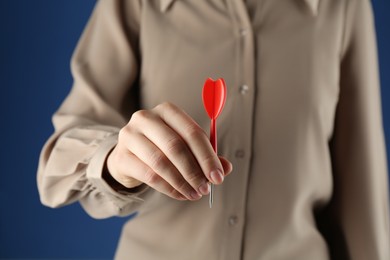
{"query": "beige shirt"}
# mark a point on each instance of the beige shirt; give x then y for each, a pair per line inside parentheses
(302, 126)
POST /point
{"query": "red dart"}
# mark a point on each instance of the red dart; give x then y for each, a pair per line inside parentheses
(214, 97)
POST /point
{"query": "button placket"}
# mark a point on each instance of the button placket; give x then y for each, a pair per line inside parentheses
(241, 140)
(243, 32)
(243, 89)
(233, 220)
(239, 153)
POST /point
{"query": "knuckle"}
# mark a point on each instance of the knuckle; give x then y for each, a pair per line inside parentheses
(183, 185)
(151, 177)
(165, 105)
(140, 116)
(158, 160)
(123, 133)
(194, 177)
(166, 108)
(176, 146)
(193, 131)
(172, 192)
(209, 160)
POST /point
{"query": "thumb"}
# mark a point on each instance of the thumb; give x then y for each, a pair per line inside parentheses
(227, 165)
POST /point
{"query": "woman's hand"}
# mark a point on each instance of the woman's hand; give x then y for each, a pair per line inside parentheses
(167, 150)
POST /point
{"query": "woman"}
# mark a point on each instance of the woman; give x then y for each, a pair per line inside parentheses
(301, 125)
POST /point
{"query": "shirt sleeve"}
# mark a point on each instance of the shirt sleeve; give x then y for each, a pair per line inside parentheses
(105, 68)
(361, 202)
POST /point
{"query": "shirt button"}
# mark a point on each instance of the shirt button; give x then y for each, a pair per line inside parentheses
(243, 31)
(233, 220)
(244, 89)
(239, 154)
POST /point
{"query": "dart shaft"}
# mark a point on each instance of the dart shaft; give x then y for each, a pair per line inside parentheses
(213, 134)
(213, 141)
(211, 198)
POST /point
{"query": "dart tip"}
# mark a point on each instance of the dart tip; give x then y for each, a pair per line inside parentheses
(211, 195)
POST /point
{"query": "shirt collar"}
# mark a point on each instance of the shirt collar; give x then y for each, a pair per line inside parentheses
(311, 4)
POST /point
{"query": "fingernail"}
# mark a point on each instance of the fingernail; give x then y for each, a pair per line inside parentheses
(216, 176)
(204, 188)
(195, 195)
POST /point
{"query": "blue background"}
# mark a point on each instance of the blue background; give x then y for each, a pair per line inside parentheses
(36, 42)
